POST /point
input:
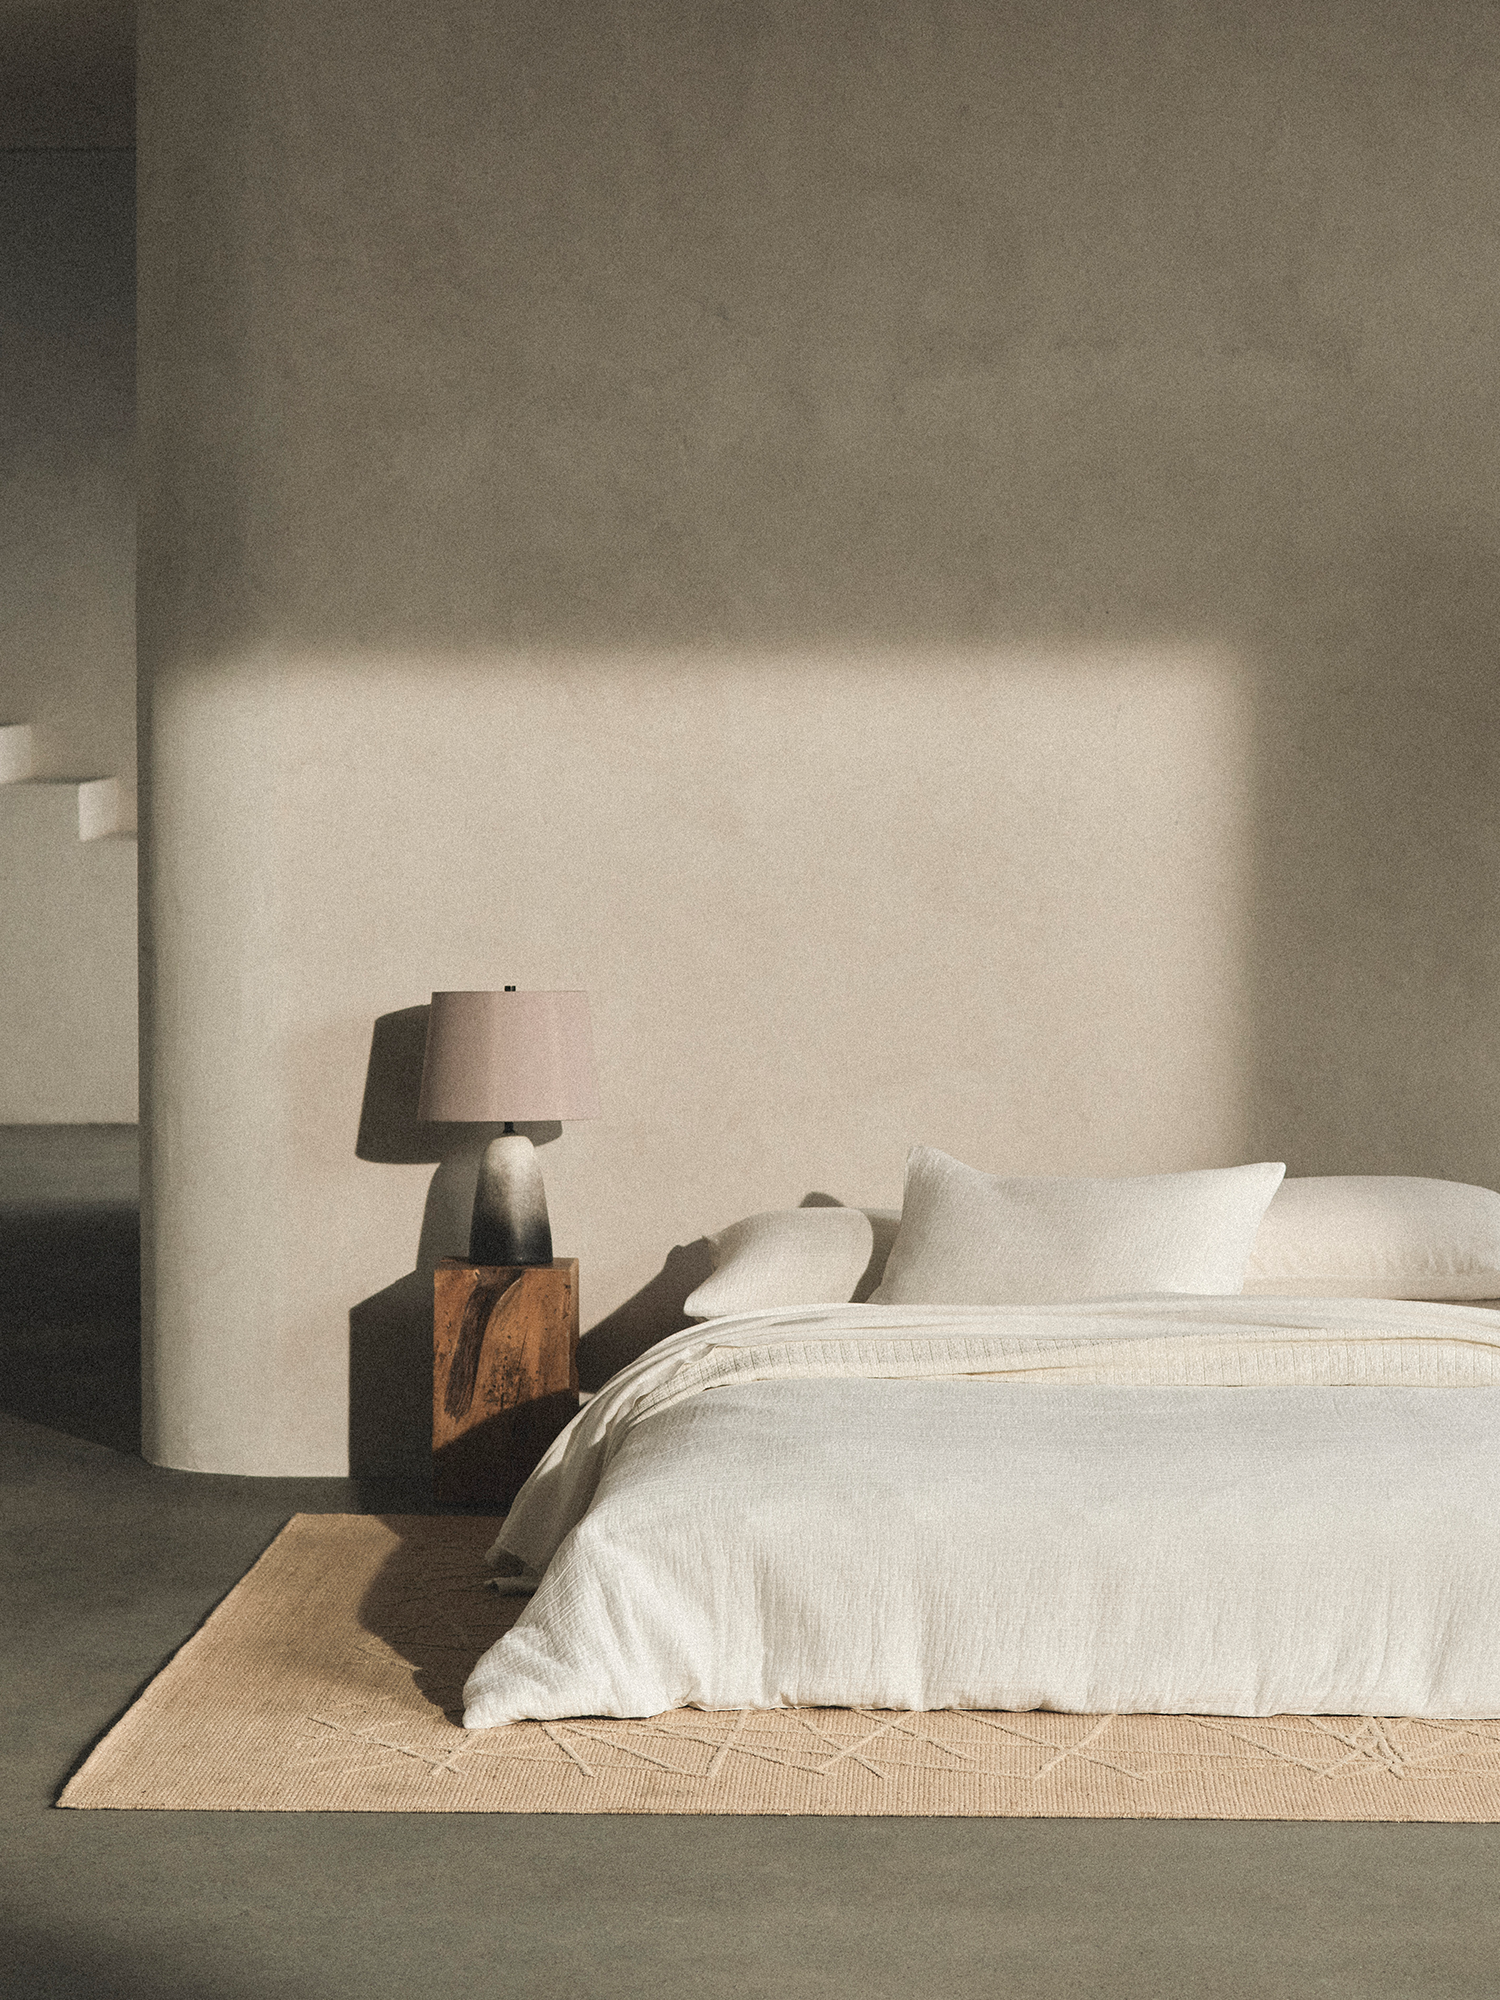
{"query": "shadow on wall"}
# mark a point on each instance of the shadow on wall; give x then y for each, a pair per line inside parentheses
(390, 1333)
(1373, 979)
(648, 1316)
(67, 76)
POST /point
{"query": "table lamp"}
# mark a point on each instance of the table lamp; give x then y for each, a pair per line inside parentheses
(493, 1058)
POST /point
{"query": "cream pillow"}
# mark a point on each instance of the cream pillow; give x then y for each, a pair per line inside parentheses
(1372, 1236)
(974, 1239)
(785, 1257)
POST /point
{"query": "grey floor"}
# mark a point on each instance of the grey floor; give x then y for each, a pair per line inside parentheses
(109, 1563)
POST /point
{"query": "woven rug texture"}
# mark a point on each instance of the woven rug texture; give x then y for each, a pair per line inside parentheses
(329, 1680)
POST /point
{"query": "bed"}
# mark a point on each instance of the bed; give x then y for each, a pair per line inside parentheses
(1167, 1501)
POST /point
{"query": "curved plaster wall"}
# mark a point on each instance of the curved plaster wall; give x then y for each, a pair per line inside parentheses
(938, 561)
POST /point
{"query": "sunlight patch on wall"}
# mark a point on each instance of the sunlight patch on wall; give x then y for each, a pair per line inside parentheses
(824, 906)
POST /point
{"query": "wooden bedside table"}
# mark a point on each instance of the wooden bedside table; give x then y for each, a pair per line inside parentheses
(504, 1374)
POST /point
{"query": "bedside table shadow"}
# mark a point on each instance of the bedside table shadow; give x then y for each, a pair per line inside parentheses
(390, 1381)
(485, 1467)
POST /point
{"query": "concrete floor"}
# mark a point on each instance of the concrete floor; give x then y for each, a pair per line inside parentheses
(108, 1564)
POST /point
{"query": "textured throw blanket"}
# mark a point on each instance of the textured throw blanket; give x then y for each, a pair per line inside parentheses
(1227, 1343)
(1205, 1504)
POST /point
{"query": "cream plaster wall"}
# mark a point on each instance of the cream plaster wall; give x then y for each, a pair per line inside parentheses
(939, 559)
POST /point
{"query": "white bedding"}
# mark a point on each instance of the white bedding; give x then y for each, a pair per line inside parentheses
(1225, 1505)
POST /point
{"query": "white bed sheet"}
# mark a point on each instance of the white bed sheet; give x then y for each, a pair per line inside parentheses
(1231, 1506)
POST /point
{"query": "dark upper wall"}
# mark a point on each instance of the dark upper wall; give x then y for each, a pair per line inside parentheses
(67, 457)
(67, 322)
(67, 548)
(675, 324)
(67, 73)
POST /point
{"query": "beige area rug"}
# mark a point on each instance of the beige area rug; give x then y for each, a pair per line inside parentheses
(329, 1681)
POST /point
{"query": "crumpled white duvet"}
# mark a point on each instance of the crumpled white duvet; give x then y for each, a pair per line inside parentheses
(1241, 1506)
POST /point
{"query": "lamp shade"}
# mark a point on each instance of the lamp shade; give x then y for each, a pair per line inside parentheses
(497, 1056)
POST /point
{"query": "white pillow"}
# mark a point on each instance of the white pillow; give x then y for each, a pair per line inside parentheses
(785, 1257)
(1371, 1236)
(973, 1239)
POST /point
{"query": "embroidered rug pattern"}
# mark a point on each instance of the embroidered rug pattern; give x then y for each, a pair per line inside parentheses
(329, 1680)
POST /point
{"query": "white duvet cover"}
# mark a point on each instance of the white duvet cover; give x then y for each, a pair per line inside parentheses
(1240, 1506)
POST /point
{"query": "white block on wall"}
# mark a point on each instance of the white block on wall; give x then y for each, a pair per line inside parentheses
(17, 752)
(106, 809)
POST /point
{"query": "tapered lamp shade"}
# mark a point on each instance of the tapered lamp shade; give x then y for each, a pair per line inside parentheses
(496, 1057)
